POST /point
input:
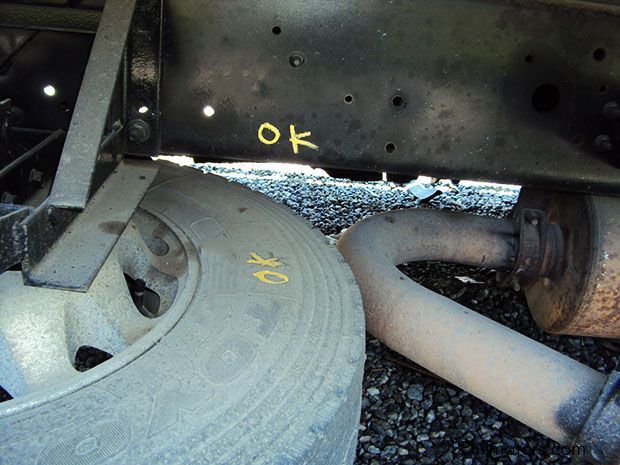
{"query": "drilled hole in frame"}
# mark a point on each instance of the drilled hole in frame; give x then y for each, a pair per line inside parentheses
(545, 98)
(208, 111)
(348, 98)
(599, 54)
(398, 101)
(390, 147)
(49, 90)
(529, 58)
(276, 30)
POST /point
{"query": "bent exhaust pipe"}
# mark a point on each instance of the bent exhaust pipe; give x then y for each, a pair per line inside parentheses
(538, 386)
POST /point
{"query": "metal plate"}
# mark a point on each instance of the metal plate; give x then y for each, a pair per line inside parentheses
(75, 258)
(509, 91)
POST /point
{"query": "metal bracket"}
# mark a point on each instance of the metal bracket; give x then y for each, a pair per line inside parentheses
(11, 237)
(62, 247)
(73, 261)
(141, 94)
(539, 250)
(74, 183)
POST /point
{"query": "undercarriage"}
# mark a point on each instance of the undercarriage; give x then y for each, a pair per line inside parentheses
(104, 247)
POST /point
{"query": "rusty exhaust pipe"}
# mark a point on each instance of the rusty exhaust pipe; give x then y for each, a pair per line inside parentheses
(538, 386)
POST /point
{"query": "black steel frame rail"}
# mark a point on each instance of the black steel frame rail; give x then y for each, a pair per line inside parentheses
(500, 90)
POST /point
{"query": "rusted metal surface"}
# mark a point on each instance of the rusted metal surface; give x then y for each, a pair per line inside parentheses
(539, 251)
(581, 296)
(542, 388)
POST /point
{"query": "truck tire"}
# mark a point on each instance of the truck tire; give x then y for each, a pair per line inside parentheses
(264, 366)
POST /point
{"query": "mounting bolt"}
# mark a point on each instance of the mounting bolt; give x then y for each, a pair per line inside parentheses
(15, 115)
(7, 197)
(36, 177)
(296, 59)
(611, 110)
(138, 131)
(602, 143)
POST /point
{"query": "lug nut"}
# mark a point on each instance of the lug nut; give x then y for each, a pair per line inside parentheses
(138, 131)
(36, 177)
(602, 143)
(611, 110)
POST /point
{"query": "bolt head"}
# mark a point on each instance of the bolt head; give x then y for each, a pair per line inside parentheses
(138, 131)
(602, 143)
(134, 134)
(296, 59)
(7, 197)
(611, 110)
(36, 177)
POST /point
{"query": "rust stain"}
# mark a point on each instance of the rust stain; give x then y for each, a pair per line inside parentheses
(112, 227)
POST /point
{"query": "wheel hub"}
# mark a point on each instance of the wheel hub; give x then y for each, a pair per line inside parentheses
(44, 332)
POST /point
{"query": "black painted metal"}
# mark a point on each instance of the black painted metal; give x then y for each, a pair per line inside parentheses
(503, 90)
(5, 132)
(89, 155)
(28, 158)
(29, 154)
(49, 18)
(29, 61)
(500, 90)
(141, 96)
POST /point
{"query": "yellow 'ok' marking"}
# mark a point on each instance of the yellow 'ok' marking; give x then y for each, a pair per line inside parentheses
(258, 260)
(267, 276)
(296, 140)
(272, 128)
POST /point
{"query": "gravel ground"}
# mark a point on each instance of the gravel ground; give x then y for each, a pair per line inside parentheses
(410, 416)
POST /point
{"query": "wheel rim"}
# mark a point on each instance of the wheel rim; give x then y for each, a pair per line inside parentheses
(42, 330)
